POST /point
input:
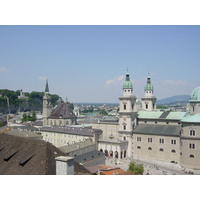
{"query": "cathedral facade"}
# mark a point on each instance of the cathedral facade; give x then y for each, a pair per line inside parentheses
(147, 133)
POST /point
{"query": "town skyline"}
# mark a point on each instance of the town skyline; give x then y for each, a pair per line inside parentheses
(89, 63)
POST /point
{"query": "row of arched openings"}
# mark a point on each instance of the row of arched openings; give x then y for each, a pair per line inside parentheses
(114, 154)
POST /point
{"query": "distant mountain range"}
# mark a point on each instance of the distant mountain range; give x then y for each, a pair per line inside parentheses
(175, 99)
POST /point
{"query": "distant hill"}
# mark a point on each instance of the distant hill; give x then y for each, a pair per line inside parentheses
(33, 102)
(175, 99)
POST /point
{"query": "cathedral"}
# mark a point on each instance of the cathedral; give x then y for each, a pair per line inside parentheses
(147, 133)
(141, 131)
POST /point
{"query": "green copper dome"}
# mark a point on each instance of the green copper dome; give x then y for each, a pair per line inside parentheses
(148, 86)
(127, 84)
(195, 96)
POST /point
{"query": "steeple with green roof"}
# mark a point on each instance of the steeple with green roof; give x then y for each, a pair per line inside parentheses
(149, 100)
(127, 84)
(149, 86)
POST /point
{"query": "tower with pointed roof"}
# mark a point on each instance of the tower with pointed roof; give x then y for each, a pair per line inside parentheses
(47, 107)
(127, 114)
(149, 100)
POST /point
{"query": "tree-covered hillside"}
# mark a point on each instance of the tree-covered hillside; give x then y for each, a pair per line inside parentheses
(33, 102)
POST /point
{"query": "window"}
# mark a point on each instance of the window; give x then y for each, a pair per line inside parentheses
(192, 133)
(124, 138)
(149, 139)
(124, 127)
(146, 106)
(161, 149)
(132, 106)
(139, 139)
(173, 141)
(192, 146)
(138, 147)
(173, 151)
(191, 156)
(162, 141)
(150, 148)
(124, 107)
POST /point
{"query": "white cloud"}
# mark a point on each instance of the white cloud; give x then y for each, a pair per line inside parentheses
(115, 81)
(3, 69)
(42, 78)
(178, 83)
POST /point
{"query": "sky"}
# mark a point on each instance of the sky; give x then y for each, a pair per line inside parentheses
(89, 63)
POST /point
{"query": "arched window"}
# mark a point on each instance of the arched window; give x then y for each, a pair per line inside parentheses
(146, 106)
(149, 148)
(191, 156)
(161, 149)
(124, 127)
(173, 151)
(138, 147)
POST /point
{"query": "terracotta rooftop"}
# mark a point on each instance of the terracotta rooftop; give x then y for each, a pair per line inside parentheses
(107, 170)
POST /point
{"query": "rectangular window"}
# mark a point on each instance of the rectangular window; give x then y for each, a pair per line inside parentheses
(162, 141)
(192, 146)
(139, 139)
(124, 127)
(173, 141)
(192, 133)
(149, 139)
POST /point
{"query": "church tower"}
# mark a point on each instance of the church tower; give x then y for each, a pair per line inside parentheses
(46, 104)
(127, 114)
(149, 100)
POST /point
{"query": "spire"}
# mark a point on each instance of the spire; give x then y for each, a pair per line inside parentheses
(47, 87)
(149, 85)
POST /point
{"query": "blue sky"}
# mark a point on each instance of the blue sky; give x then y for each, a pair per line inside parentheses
(89, 63)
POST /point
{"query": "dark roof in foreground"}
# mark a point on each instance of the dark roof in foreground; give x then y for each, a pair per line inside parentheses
(26, 156)
(62, 111)
(172, 130)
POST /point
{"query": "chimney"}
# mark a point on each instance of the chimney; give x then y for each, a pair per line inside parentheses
(64, 165)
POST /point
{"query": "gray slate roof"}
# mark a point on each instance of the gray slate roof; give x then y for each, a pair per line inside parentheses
(88, 156)
(63, 111)
(78, 145)
(171, 130)
(71, 130)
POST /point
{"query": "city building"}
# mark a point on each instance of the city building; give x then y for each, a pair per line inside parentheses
(147, 133)
(140, 131)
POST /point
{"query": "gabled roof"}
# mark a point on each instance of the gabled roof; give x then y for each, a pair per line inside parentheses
(63, 111)
(26, 156)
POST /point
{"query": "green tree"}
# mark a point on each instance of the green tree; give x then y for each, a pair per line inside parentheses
(136, 168)
(1, 124)
(24, 117)
(33, 116)
(103, 112)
